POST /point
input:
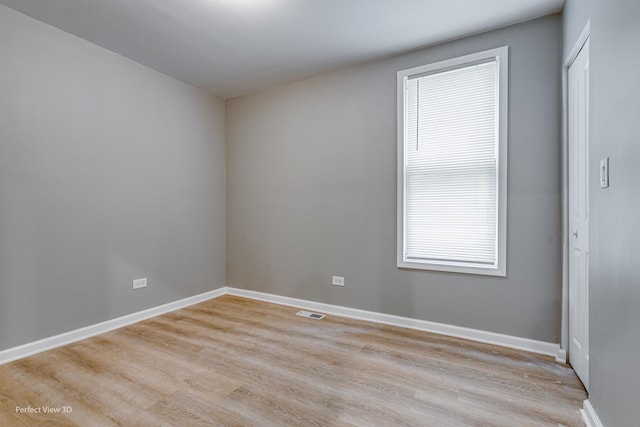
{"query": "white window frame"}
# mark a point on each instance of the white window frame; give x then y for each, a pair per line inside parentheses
(499, 268)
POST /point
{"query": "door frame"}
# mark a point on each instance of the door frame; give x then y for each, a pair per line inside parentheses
(573, 54)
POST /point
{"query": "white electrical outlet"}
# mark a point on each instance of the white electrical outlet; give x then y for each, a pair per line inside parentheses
(337, 281)
(140, 283)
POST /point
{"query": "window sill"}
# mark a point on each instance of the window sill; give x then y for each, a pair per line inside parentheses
(453, 268)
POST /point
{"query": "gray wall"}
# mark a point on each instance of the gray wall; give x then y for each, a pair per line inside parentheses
(109, 171)
(615, 212)
(575, 15)
(311, 192)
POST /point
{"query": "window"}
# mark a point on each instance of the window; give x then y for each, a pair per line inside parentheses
(452, 164)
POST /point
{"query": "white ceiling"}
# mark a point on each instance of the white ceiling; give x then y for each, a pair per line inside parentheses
(234, 47)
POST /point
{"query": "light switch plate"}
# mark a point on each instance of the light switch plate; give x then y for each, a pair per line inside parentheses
(604, 173)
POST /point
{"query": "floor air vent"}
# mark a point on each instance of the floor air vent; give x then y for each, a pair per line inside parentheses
(310, 315)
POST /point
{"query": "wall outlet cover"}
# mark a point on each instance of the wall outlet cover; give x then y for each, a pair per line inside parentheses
(140, 283)
(337, 281)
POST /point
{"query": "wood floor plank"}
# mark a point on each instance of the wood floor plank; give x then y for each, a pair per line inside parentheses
(239, 362)
(184, 408)
(13, 395)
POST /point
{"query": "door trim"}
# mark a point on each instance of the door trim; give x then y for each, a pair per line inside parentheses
(589, 415)
(573, 54)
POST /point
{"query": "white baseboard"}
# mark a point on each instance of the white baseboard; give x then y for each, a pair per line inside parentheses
(561, 355)
(589, 415)
(65, 338)
(509, 341)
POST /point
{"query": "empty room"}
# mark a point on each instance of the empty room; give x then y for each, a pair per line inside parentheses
(319, 213)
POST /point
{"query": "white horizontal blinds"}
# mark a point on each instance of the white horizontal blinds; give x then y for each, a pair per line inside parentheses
(451, 169)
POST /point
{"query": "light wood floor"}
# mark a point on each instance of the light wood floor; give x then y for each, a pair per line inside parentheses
(237, 362)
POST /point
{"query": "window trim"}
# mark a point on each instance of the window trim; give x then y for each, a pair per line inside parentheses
(499, 269)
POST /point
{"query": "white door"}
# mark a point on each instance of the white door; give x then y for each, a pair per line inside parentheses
(578, 126)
